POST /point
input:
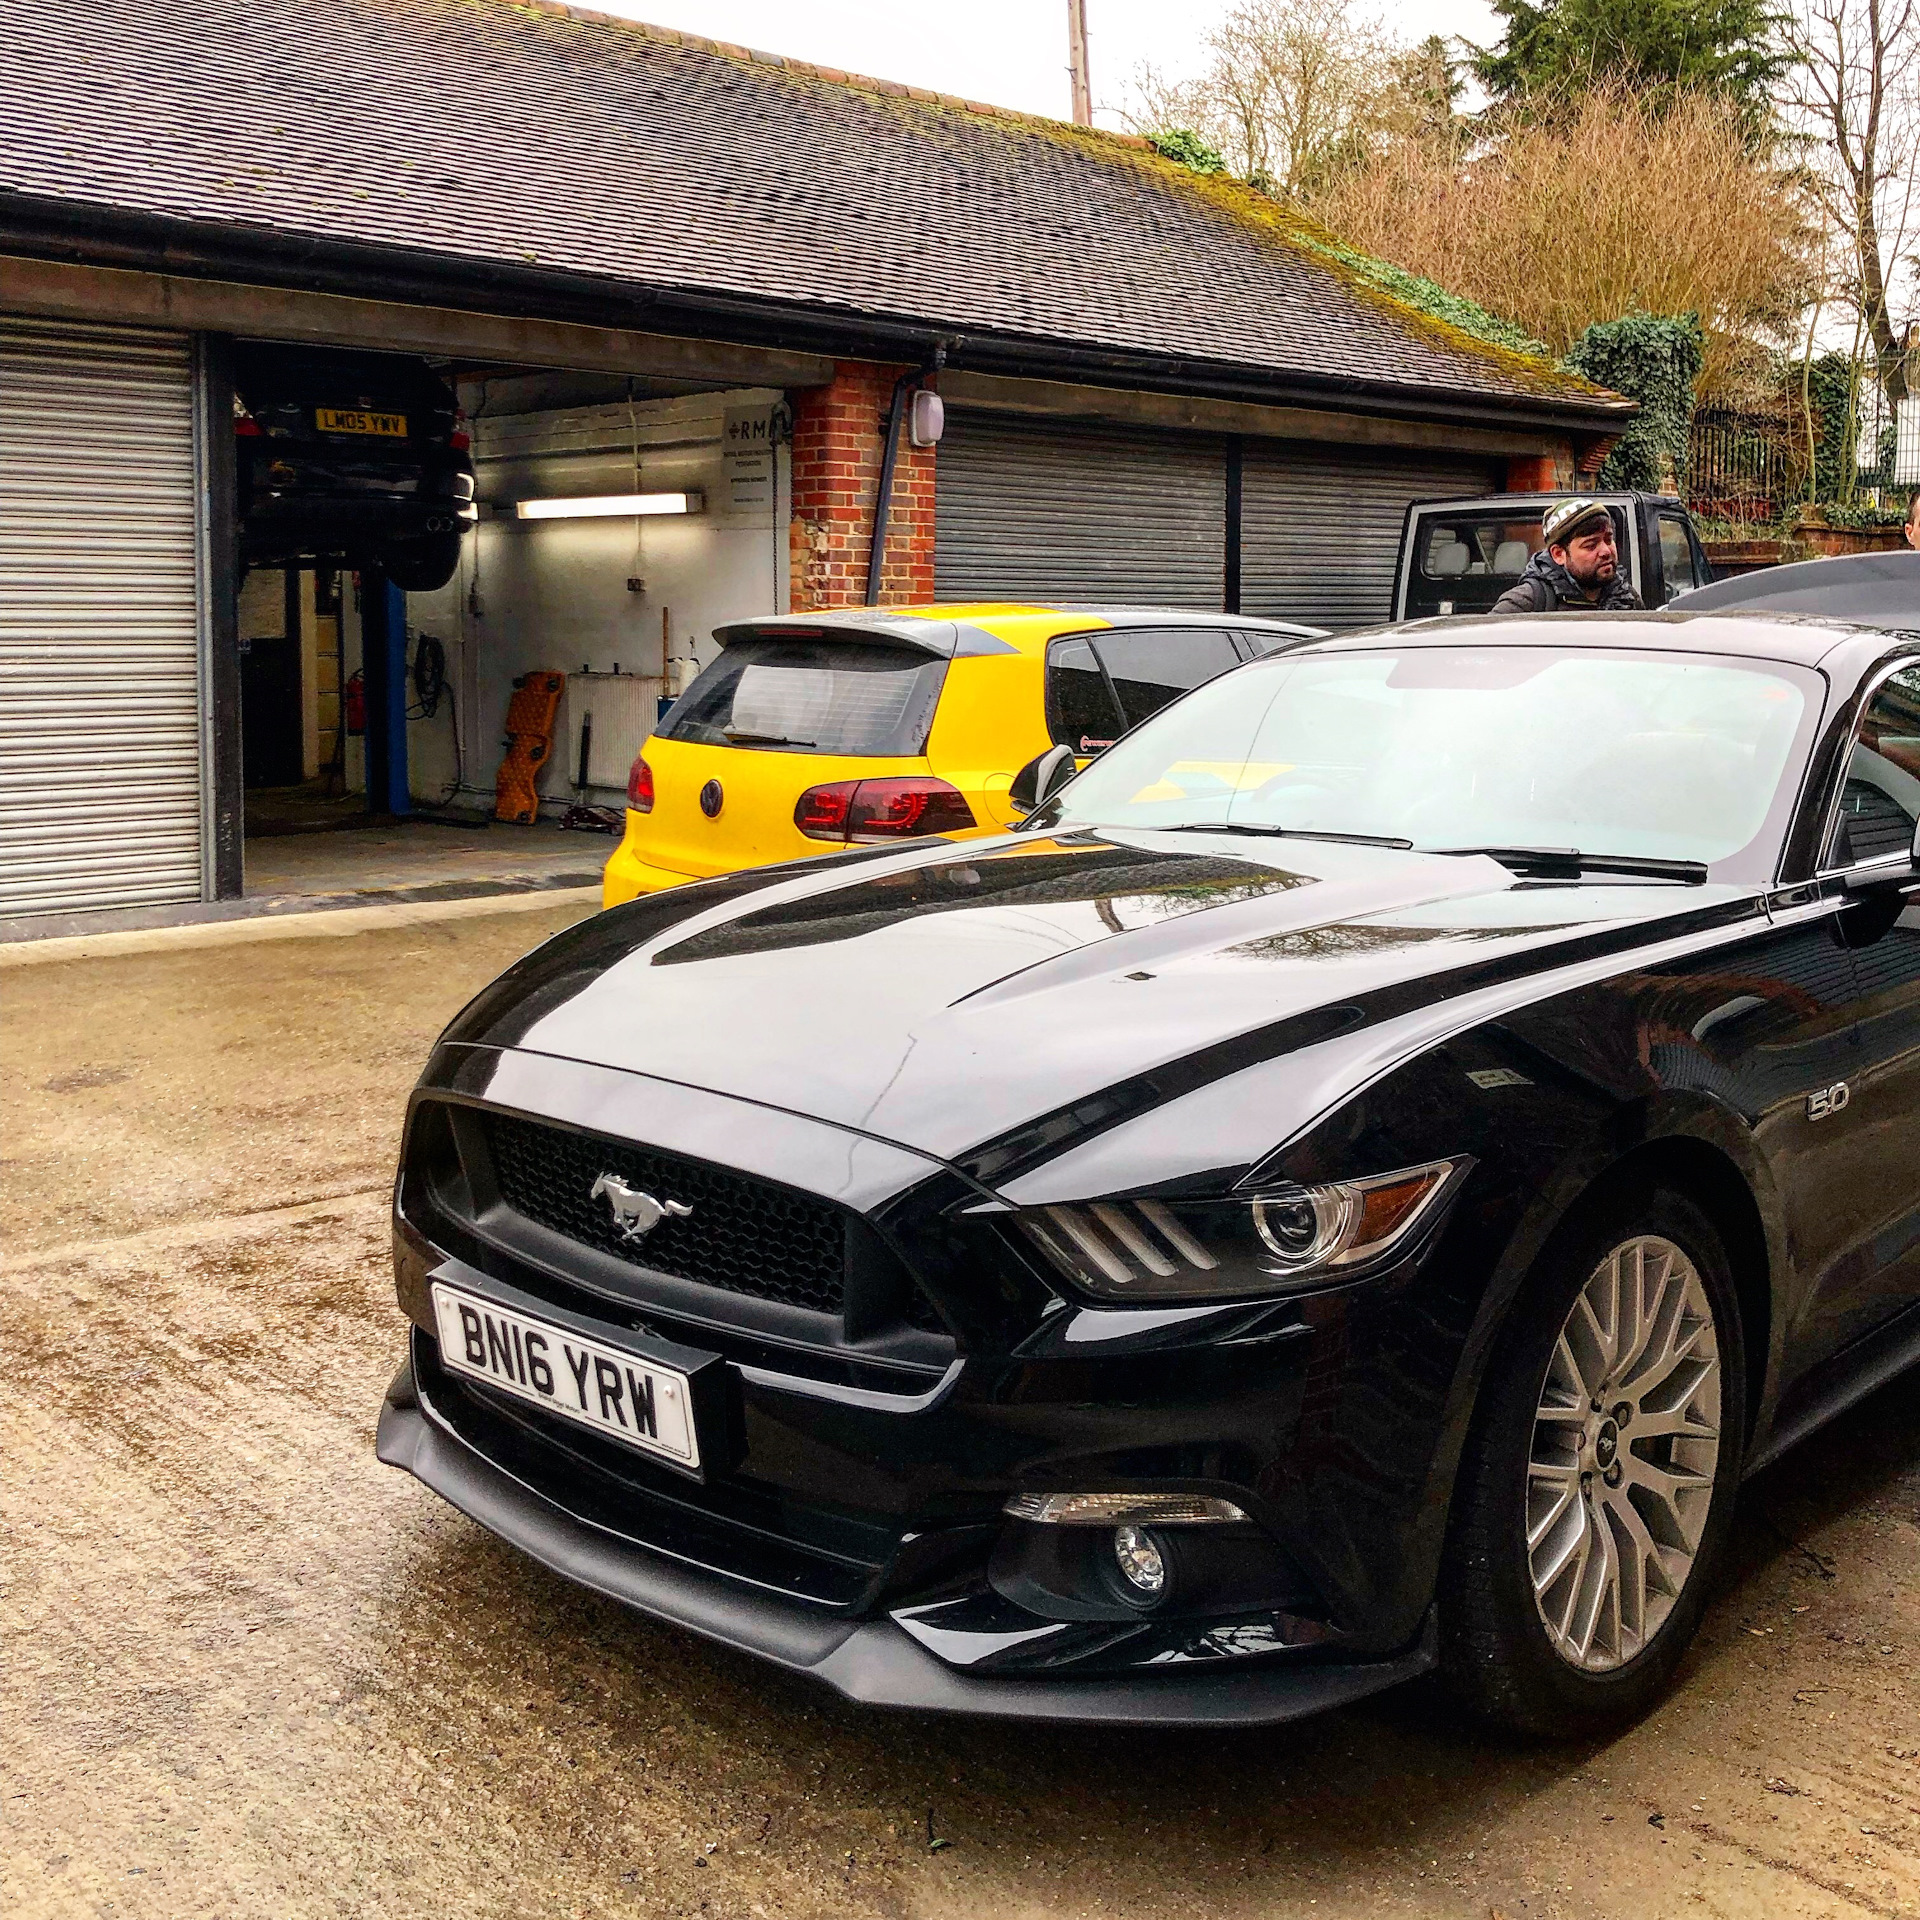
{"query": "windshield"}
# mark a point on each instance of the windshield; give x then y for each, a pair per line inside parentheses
(812, 696)
(1663, 756)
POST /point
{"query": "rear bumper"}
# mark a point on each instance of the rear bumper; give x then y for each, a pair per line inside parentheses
(627, 877)
(870, 1661)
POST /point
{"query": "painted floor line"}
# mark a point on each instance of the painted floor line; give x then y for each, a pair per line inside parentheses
(195, 1233)
(334, 923)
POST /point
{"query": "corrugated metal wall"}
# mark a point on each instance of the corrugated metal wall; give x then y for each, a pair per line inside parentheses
(100, 755)
(1320, 528)
(1057, 510)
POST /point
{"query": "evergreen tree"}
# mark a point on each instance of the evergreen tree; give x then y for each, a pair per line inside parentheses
(1555, 50)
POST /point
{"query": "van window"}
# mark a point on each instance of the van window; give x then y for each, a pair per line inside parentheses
(1676, 555)
(812, 696)
(1464, 561)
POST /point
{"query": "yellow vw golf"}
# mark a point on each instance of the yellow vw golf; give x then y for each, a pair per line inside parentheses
(814, 732)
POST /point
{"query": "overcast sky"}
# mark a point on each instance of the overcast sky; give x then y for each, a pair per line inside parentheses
(1012, 53)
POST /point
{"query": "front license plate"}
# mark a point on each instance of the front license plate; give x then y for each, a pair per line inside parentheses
(355, 420)
(636, 1401)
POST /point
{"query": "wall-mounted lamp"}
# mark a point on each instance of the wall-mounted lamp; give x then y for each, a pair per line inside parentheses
(926, 418)
(609, 505)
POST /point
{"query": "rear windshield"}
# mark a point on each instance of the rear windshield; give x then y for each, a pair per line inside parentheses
(812, 696)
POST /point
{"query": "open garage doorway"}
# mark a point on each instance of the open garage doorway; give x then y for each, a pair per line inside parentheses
(617, 520)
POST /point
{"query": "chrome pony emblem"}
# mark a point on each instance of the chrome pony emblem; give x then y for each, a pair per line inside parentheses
(636, 1214)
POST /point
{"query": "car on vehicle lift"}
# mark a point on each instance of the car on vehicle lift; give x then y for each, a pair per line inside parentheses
(359, 455)
(1460, 556)
(815, 732)
(1351, 1185)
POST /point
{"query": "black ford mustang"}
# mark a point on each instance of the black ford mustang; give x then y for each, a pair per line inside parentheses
(1351, 1186)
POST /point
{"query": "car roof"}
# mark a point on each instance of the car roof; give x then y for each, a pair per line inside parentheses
(1868, 589)
(1789, 639)
(1538, 502)
(956, 630)
(1125, 615)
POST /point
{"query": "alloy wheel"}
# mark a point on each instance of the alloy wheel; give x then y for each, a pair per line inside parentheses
(1626, 1441)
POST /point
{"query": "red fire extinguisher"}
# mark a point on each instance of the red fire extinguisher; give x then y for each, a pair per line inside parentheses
(356, 694)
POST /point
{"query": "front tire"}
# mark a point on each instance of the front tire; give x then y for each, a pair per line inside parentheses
(1598, 1481)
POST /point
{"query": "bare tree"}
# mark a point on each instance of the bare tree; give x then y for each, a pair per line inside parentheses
(1856, 90)
(1289, 85)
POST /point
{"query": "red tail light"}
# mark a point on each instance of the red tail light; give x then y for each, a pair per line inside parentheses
(459, 442)
(640, 787)
(246, 427)
(895, 809)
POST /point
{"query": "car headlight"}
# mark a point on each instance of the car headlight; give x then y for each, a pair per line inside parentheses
(1278, 1241)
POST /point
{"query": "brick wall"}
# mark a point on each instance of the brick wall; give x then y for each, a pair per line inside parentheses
(839, 437)
(1542, 472)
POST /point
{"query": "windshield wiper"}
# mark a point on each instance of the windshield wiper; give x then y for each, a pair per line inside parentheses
(1570, 863)
(741, 739)
(1287, 833)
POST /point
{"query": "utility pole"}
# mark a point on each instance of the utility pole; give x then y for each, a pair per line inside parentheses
(1077, 63)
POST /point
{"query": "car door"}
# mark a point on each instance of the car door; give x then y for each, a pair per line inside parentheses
(1875, 1186)
(1674, 542)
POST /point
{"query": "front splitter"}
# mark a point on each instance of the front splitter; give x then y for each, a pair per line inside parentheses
(871, 1661)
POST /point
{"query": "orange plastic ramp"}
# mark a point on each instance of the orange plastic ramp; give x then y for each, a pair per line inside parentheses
(530, 717)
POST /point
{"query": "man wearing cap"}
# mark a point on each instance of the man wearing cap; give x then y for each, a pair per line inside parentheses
(1577, 570)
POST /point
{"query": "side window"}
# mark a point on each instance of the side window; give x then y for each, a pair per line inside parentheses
(1676, 555)
(1080, 710)
(1150, 666)
(1255, 644)
(1880, 802)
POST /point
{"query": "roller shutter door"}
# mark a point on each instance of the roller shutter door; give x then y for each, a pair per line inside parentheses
(1057, 510)
(99, 619)
(1320, 531)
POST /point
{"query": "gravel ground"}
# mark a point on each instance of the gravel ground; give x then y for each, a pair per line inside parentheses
(244, 1670)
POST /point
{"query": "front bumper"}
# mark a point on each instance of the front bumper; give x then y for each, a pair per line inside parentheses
(876, 1662)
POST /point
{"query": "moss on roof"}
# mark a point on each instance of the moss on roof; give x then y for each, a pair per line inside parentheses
(1423, 306)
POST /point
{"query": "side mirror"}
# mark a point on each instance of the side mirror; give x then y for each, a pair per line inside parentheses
(1041, 778)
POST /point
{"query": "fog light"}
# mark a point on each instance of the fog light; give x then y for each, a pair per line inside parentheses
(1142, 1565)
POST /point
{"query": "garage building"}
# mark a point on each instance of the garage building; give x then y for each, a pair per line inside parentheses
(646, 265)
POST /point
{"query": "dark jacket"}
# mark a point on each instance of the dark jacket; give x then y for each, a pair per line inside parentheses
(1547, 587)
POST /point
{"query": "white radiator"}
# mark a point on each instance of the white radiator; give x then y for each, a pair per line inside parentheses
(623, 706)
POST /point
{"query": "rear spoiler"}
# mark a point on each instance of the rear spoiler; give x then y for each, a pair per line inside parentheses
(942, 639)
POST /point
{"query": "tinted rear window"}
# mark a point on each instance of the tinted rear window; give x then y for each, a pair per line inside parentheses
(1151, 667)
(812, 696)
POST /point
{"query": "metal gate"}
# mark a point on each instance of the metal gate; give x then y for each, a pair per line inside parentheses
(1320, 530)
(1057, 510)
(100, 619)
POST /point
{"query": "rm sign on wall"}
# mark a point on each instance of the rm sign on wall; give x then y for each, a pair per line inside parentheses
(749, 461)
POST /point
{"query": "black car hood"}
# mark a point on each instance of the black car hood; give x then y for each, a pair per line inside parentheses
(944, 998)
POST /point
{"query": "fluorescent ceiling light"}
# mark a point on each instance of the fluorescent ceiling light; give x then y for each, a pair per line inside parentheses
(606, 505)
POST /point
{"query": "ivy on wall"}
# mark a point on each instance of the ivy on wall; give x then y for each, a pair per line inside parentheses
(1655, 360)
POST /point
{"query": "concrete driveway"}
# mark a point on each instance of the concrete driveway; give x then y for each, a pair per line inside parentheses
(246, 1671)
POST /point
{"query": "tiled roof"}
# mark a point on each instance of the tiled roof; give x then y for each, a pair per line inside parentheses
(532, 136)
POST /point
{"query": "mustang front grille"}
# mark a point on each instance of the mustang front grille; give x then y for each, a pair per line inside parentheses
(738, 1233)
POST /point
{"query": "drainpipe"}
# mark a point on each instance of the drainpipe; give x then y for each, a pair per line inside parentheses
(883, 504)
